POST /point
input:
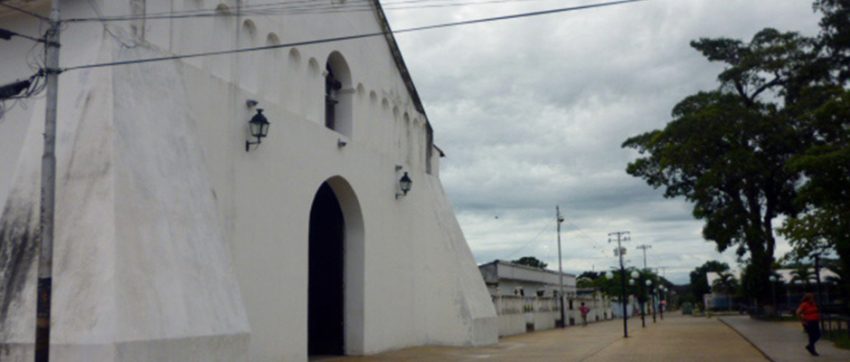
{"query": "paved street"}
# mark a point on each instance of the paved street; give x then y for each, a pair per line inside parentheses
(677, 338)
(783, 341)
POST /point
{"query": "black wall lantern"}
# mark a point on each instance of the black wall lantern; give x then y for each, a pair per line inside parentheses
(404, 184)
(259, 127)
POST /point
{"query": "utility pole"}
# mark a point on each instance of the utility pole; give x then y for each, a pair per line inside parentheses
(620, 237)
(558, 220)
(644, 247)
(48, 189)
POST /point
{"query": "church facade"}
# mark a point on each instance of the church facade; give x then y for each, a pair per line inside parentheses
(182, 236)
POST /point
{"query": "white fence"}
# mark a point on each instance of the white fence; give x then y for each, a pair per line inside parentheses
(518, 314)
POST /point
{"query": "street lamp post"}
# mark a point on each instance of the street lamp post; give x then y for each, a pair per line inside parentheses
(661, 301)
(773, 279)
(651, 297)
(641, 299)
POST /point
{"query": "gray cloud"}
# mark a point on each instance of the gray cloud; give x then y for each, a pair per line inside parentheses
(532, 112)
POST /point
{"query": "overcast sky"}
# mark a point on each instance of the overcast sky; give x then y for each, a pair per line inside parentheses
(532, 112)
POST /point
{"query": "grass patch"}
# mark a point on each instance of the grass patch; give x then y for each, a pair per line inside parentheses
(841, 339)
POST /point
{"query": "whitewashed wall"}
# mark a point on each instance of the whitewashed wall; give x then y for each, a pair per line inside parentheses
(173, 243)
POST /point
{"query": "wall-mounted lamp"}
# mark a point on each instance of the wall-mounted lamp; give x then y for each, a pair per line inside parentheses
(259, 127)
(404, 184)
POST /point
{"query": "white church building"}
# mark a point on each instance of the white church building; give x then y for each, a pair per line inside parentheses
(177, 240)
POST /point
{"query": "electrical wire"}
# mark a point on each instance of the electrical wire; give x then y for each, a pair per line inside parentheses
(300, 7)
(36, 86)
(256, 9)
(352, 37)
(512, 254)
(24, 11)
(106, 26)
(10, 33)
(202, 12)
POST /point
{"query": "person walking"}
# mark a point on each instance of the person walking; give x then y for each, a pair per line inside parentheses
(810, 316)
(584, 310)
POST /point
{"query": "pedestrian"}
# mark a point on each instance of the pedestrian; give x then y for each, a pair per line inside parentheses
(584, 310)
(661, 306)
(810, 316)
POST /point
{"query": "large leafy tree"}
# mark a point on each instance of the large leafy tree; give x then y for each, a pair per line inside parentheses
(726, 150)
(824, 226)
(835, 34)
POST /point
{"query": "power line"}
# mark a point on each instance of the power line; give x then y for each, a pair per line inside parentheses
(295, 7)
(352, 37)
(512, 254)
(24, 11)
(218, 11)
(301, 9)
(105, 25)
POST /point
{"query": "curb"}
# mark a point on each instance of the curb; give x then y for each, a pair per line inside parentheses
(747, 339)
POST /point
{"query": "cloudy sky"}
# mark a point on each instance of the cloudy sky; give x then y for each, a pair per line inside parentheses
(531, 113)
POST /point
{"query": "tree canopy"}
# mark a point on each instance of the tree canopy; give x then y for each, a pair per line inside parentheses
(823, 227)
(772, 140)
(726, 150)
(530, 261)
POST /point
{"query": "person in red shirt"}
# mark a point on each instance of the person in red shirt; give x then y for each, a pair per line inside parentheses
(584, 310)
(810, 315)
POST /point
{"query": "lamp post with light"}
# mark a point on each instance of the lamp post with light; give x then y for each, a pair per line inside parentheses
(652, 297)
(773, 279)
(641, 299)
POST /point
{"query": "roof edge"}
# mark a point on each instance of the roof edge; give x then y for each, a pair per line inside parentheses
(399, 60)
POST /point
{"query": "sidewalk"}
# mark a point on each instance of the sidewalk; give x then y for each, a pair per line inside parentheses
(677, 338)
(783, 341)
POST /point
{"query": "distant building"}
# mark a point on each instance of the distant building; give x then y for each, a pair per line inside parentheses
(526, 298)
(506, 278)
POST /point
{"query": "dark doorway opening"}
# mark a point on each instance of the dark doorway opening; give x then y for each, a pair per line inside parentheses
(325, 285)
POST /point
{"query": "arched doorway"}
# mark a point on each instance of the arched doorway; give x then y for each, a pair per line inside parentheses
(335, 284)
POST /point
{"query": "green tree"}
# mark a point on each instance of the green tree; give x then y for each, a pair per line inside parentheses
(530, 261)
(699, 282)
(824, 226)
(726, 150)
(588, 279)
(835, 34)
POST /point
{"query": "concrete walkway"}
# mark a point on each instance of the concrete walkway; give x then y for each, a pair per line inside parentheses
(783, 341)
(677, 338)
